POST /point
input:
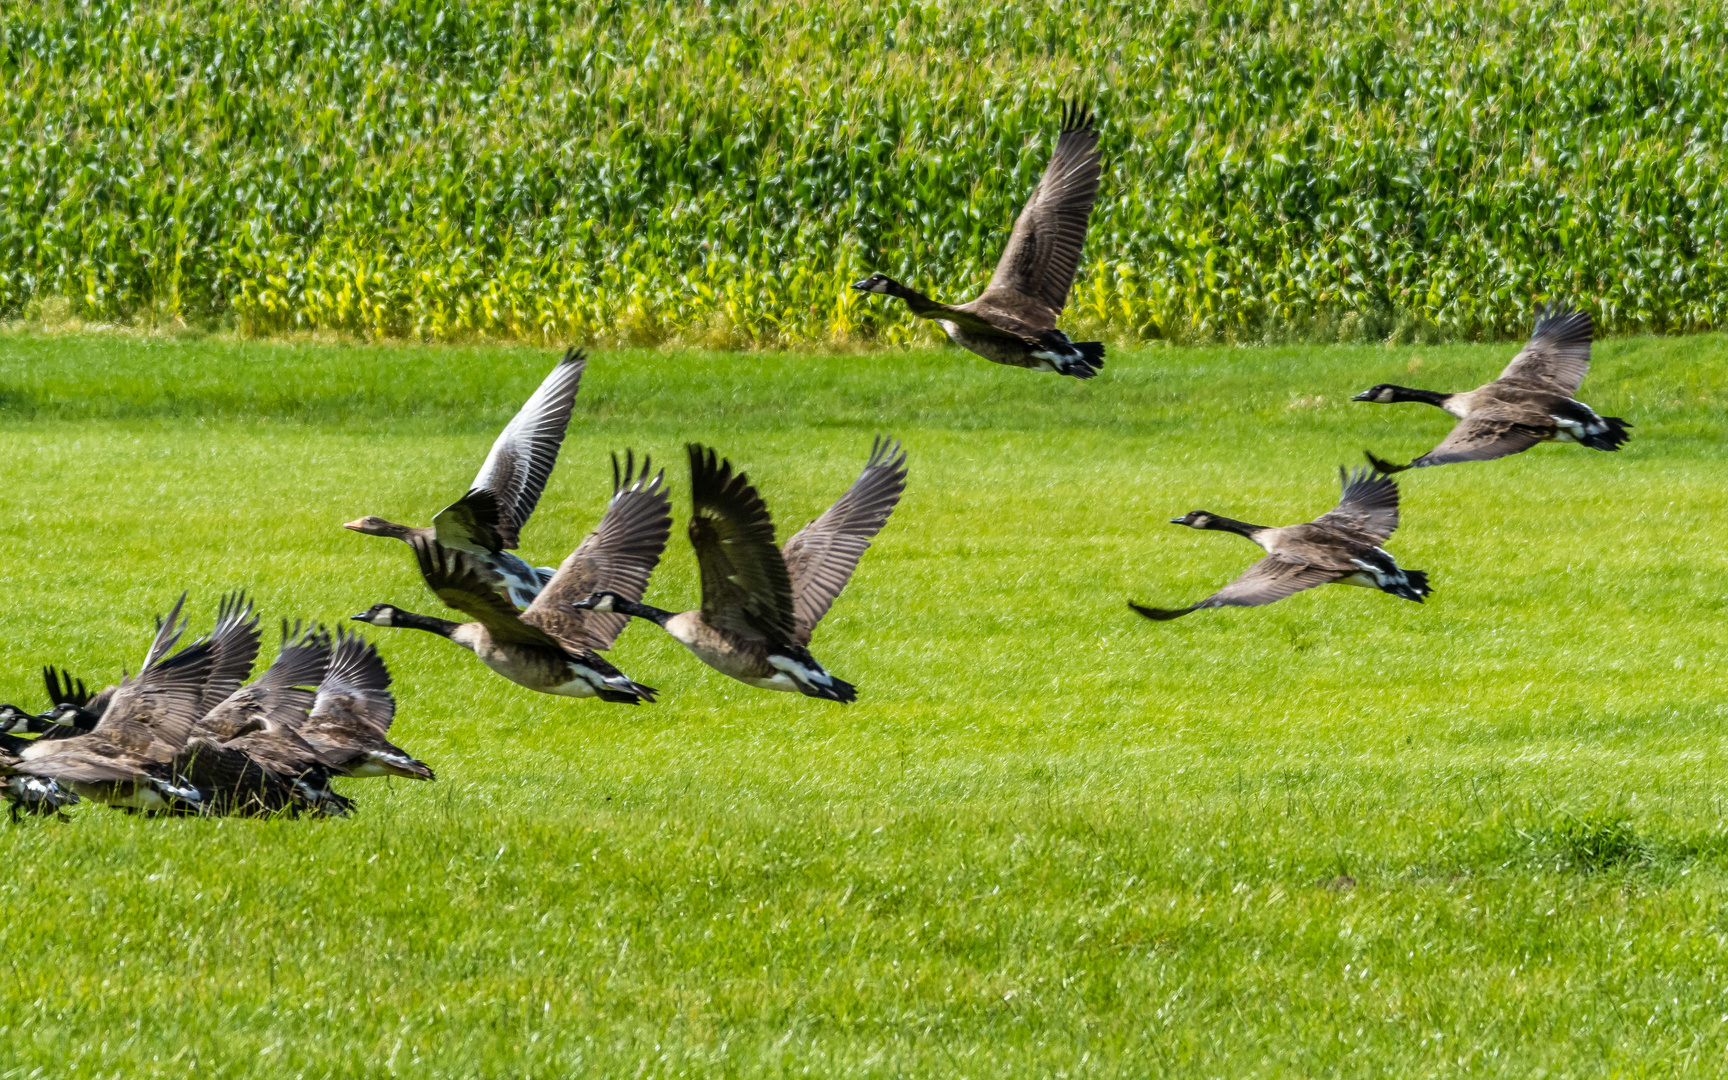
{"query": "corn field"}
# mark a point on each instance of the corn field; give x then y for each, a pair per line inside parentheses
(718, 172)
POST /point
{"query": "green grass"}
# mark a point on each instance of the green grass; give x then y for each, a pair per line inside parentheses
(1345, 835)
(716, 171)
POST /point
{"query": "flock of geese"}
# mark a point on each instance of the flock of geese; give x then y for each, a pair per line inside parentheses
(188, 735)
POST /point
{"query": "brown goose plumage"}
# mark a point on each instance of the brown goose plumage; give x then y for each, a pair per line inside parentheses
(1013, 321)
(1341, 546)
(1531, 402)
(761, 602)
(482, 527)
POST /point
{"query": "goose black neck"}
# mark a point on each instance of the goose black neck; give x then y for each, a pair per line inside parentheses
(409, 620)
(1426, 397)
(1224, 524)
(642, 611)
(917, 301)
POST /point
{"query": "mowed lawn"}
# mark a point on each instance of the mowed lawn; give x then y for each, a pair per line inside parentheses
(1345, 835)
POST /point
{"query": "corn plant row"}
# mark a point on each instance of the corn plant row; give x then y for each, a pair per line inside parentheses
(719, 171)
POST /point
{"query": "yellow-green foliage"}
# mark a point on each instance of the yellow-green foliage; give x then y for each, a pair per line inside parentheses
(719, 171)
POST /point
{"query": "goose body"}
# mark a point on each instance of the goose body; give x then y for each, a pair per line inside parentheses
(760, 603)
(1531, 402)
(552, 647)
(1013, 321)
(1342, 546)
(477, 532)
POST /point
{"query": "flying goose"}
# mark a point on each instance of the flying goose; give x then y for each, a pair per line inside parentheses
(1341, 546)
(759, 602)
(1530, 402)
(551, 647)
(349, 724)
(125, 759)
(481, 528)
(245, 756)
(1013, 321)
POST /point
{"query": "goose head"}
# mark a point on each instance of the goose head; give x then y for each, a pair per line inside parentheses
(1195, 519)
(602, 601)
(1383, 394)
(12, 718)
(373, 525)
(65, 714)
(379, 615)
(876, 283)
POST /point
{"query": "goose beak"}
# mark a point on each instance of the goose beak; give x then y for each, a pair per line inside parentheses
(1178, 521)
(358, 618)
(355, 524)
(1363, 396)
(862, 286)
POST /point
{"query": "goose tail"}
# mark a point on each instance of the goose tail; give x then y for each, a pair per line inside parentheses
(1613, 438)
(1087, 362)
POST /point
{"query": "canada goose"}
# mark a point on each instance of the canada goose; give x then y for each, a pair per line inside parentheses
(760, 602)
(245, 756)
(1530, 402)
(1013, 321)
(482, 527)
(1341, 546)
(349, 724)
(551, 647)
(125, 759)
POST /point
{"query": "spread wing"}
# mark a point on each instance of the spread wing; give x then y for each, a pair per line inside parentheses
(474, 523)
(521, 461)
(234, 645)
(354, 699)
(617, 556)
(1369, 505)
(283, 694)
(89, 762)
(1558, 354)
(153, 712)
(1483, 437)
(1044, 250)
(63, 689)
(1267, 581)
(745, 587)
(821, 557)
(448, 575)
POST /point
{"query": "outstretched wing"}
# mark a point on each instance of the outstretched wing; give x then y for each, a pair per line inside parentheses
(474, 523)
(354, 697)
(1558, 354)
(1483, 437)
(521, 461)
(153, 712)
(617, 557)
(1267, 581)
(234, 642)
(1369, 505)
(745, 587)
(1043, 252)
(820, 558)
(454, 582)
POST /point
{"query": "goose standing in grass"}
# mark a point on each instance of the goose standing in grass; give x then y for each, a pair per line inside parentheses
(1531, 402)
(759, 602)
(552, 647)
(1341, 546)
(125, 760)
(1013, 321)
(480, 529)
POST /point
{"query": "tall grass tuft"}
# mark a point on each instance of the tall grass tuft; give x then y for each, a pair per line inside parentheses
(717, 172)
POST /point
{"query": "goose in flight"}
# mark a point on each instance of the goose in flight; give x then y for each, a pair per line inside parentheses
(761, 602)
(1531, 402)
(1341, 546)
(481, 529)
(552, 647)
(1013, 321)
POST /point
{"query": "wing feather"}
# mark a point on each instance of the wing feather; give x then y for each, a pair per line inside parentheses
(453, 581)
(745, 587)
(1369, 505)
(1267, 581)
(618, 556)
(821, 557)
(1043, 252)
(522, 457)
(1557, 356)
